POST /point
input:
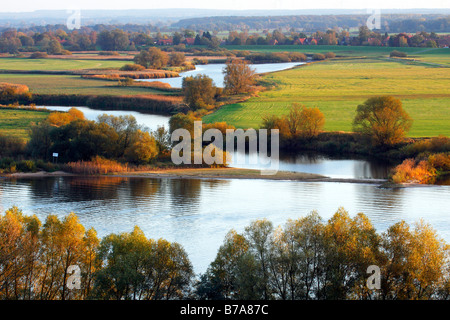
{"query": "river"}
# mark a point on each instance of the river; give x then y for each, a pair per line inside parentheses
(198, 213)
(214, 71)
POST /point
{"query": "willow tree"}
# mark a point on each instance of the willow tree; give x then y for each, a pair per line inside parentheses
(383, 119)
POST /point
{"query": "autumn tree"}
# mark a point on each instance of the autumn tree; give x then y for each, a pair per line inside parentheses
(300, 122)
(177, 59)
(383, 119)
(54, 47)
(416, 263)
(162, 138)
(182, 121)
(305, 122)
(199, 92)
(152, 58)
(113, 40)
(19, 255)
(134, 267)
(59, 119)
(142, 148)
(239, 77)
(221, 280)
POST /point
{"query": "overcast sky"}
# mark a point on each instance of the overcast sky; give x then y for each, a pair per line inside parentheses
(31, 5)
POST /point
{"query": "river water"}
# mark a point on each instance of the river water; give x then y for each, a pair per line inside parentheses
(215, 72)
(198, 213)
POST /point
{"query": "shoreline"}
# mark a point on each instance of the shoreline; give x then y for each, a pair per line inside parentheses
(204, 174)
(219, 174)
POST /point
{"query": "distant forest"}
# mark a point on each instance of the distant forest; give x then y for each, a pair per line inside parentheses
(311, 23)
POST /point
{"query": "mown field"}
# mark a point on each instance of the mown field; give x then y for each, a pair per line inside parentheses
(73, 84)
(67, 84)
(338, 86)
(57, 64)
(16, 123)
(359, 51)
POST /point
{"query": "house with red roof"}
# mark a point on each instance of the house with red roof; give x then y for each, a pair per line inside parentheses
(165, 42)
(189, 41)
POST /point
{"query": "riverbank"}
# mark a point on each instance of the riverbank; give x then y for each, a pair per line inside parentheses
(206, 173)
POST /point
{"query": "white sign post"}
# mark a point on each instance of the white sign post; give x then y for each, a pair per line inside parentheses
(55, 157)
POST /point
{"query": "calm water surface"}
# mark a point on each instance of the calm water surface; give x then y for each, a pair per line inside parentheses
(199, 213)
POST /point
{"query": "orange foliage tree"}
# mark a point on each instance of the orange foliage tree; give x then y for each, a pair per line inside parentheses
(383, 119)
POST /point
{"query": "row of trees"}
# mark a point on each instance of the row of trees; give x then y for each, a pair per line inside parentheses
(310, 259)
(306, 259)
(155, 58)
(38, 260)
(312, 22)
(60, 40)
(381, 119)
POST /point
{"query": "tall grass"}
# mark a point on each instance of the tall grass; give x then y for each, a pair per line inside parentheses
(97, 165)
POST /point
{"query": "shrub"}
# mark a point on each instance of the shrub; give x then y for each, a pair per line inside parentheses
(297, 56)
(126, 82)
(318, 56)
(399, 54)
(38, 55)
(97, 165)
(12, 88)
(433, 145)
(26, 166)
(411, 170)
(424, 169)
(108, 53)
(132, 67)
(330, 55)
(440, 161)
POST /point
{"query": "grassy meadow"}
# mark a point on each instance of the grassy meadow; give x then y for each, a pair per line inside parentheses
(67, 84)
(73, 84)
(57, 64)
(337, 86)
(16, 123)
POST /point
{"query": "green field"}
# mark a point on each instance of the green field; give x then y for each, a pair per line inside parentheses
(72, 84)
(67, 84)
(338, 86)
(16, 123)
(347, 51)
(57, 64)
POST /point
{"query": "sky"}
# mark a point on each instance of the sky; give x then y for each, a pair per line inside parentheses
(32, 5)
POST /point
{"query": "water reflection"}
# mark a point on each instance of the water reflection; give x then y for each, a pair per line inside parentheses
(198, 213)
(319, 164)
(215, 72)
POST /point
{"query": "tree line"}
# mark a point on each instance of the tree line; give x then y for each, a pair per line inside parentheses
(35, 260)
(305, 259)
(311, 23)
(63, 41)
